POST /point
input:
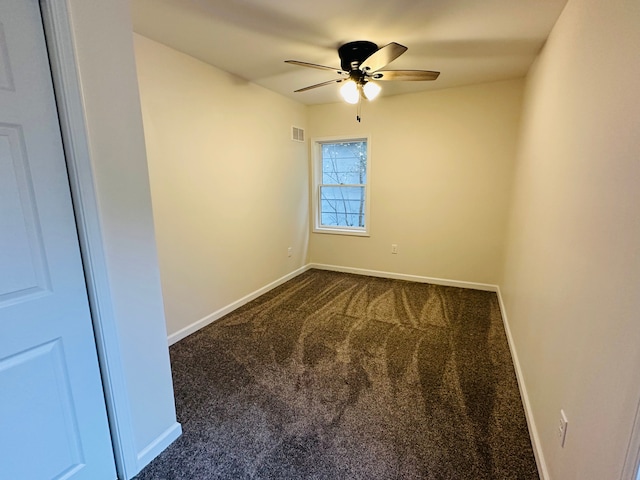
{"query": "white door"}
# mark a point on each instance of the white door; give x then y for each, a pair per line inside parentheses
(53, 422)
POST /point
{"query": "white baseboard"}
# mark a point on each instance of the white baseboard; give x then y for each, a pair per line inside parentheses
(212, 317)
(402, 276)
(154, 449)
(533, 431)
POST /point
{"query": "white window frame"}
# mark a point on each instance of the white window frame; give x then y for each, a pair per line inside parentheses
(316, 159)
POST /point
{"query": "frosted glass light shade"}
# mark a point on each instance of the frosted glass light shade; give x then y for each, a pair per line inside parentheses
(349, 92)
(371, 90)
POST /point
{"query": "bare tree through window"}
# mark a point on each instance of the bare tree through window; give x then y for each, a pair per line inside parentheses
(342, 190)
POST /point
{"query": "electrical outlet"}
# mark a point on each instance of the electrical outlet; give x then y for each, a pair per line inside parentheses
(394, 248)
(289, 251)
(562, 428)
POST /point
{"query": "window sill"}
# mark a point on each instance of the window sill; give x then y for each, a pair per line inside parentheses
(342, 231)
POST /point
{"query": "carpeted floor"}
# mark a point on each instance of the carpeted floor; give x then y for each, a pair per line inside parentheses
(339, 376)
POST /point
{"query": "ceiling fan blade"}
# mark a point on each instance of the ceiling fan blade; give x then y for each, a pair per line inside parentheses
(382, 57)
(404, 75)
(319, 67)
(338, 80)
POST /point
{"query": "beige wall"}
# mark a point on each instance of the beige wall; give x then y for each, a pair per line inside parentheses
(440, 173)
(572, 267)
(229, 187)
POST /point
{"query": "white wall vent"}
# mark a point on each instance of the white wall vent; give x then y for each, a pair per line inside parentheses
(297, 134)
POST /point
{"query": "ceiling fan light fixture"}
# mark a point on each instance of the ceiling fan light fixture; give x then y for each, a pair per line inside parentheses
(360, 63)
(349, 92)
(371, 90)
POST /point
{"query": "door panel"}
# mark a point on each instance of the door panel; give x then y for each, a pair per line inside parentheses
(6, 80)
(53, 427)
(22, 246)
(53, 420)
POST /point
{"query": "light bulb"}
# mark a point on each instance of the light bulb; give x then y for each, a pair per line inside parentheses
(371, 90)
(349, 92)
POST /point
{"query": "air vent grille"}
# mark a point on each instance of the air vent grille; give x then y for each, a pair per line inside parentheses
(297, 134)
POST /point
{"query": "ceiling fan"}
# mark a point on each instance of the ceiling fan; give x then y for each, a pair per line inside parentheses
(360, 63)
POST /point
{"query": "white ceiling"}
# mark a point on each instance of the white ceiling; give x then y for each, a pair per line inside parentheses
(468, 41)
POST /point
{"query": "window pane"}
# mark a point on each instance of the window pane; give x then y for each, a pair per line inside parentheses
(342, 206)
(344, 163)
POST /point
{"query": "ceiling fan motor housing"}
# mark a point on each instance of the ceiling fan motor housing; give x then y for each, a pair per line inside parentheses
(352, 54)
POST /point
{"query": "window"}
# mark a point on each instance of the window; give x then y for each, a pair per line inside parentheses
(340, 177)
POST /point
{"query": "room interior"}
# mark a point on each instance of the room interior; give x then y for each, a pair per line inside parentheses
(525, 183)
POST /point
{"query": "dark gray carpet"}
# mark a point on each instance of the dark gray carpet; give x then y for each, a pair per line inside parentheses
(338, 376)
